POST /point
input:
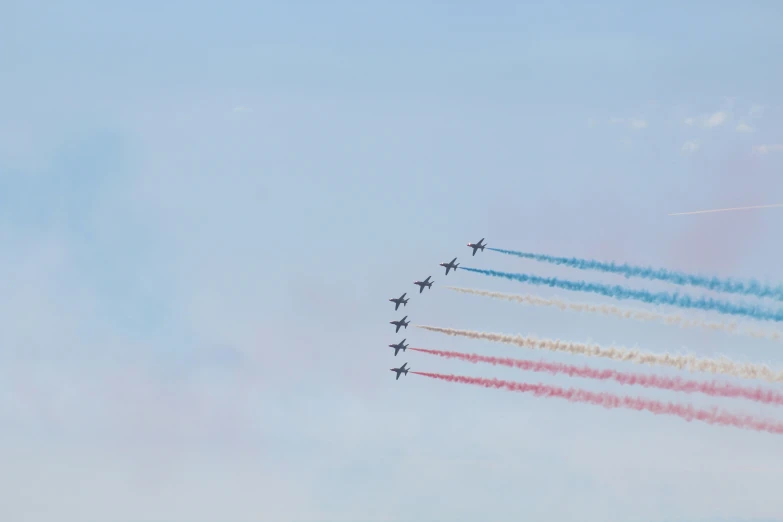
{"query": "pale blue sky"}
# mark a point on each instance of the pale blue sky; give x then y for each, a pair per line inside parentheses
(204, 208)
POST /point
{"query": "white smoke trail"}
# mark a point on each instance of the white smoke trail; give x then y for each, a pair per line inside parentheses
(627, 313)
(722, 365)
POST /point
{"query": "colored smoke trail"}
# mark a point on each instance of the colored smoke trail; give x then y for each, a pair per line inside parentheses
(722, 366)
(625, 313)
(714, 388)
(660, 298)
(750, 288)
(611, 401)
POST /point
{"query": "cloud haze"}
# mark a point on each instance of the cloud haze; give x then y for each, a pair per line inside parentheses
(200, 229)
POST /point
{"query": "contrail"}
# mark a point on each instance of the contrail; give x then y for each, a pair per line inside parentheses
(660, 298)
(725, 210)
(626, 313)
(611, 401)
(723, 365)
(714, 388)
(750, 288)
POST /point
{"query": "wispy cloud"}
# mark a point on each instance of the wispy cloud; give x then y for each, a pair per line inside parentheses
(744, 127)
(756, 111)
(690, 147)
(763, 149)
(633, 123)
(715, 120)
(708, 121)
(241, 109)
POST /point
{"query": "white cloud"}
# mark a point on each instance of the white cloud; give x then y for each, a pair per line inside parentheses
(637, 123)
(708, 121)
(763, 149)
(633, 123)
(715, 120)
(728, 101)
(242, 109)
(756, 111)
(690, 147)
(744, 127)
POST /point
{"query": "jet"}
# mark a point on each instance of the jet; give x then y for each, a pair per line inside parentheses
(426, 283)
(399, 323)
(401, 369)
(450, 265)
(399, 301)
(399, 346)
(476, 246)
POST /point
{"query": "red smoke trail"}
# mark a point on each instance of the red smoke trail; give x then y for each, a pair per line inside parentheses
(715, 388)
(609, 401)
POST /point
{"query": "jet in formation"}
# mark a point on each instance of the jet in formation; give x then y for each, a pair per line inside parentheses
(399, 301)
(476, 246)
(401, 322)
(401, 369)
(399, 346)
(450, 265)
(422, 284)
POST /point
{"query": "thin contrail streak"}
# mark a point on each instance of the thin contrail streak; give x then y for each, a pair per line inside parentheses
(611, 401)
(725, 210)
(722, 365)
(625, 313)
(678, 384)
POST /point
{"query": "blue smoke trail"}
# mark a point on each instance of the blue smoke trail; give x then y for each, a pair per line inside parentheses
(752, 288)
(621, 292)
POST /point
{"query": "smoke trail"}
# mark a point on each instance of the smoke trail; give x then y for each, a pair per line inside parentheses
(626, 313)
(678, 384)
(751, 288)
(611, 401)
(661, 298)
(722, 365)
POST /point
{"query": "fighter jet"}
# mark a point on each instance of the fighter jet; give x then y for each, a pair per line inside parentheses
(399, 301)
(401, 369)
(401, 322)
(426, 283)
(450, 265)
(476, 246)
(399, 346)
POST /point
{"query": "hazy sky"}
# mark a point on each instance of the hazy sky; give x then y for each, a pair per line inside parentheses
(204, 207)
